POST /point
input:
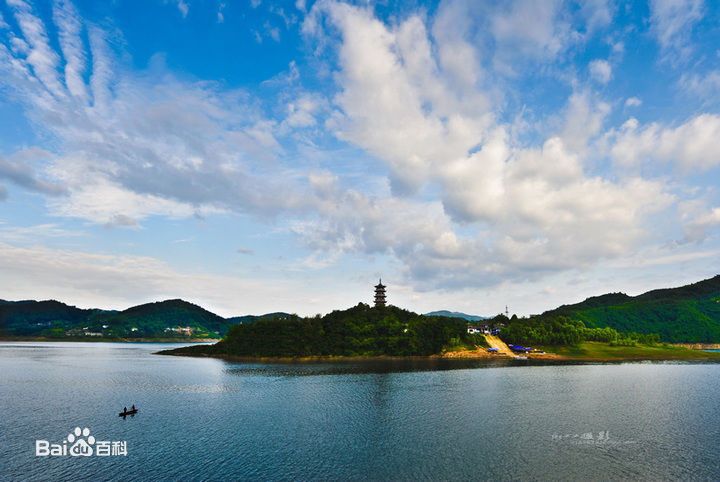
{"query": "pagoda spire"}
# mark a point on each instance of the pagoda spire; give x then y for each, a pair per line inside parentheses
(380, 294)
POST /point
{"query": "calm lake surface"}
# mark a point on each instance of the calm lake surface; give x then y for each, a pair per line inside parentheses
(431, 420)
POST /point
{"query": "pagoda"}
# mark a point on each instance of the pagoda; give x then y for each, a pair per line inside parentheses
(380, 294)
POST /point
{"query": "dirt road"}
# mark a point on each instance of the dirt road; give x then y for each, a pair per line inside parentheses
(496, 342)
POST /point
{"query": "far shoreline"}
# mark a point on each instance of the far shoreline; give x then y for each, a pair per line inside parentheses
(546, 358)
(684, 352)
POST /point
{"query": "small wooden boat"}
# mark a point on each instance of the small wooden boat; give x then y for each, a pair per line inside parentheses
(125, 413)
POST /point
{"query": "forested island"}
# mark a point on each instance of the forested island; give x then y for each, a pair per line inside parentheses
(388, 331)
(359, 331)
(586, 330)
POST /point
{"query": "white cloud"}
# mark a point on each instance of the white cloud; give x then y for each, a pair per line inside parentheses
(73, 50)
(31, 234)
(696, 230)
(40, 56)
(672, 22)
(130, 147)
(302, 112)
(633, 102)
(601, 71)
(272, 32)
(548, 210)
(598, 13)
(705, 86)
(533, 209)
(655, 256)
(104, 202)
(697, 220)
(24, 175)
(543, 220)
(691, 146)
(182, 6)
(458, 58)
(527, 30)
(529, 26)
(393, 102)
(584, 118)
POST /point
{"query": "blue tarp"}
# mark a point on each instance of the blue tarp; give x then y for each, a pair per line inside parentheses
(519, 348)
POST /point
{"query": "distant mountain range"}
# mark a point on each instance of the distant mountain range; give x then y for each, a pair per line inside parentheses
(248, 318)
(456, 314)
(689, 313)
(164, 319)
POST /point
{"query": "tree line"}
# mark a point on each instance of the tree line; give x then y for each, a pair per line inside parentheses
(359, 331)
(562, 330)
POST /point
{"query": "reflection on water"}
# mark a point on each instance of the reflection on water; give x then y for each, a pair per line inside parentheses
(398, 365)
(344, 367)
(409, 419)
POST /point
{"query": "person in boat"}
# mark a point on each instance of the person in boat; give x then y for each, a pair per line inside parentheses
(132, 409)
(124, 409)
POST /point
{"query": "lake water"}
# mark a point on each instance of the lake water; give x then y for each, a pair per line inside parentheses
(431, 420)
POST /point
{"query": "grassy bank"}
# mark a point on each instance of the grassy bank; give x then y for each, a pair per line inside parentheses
(591, 350)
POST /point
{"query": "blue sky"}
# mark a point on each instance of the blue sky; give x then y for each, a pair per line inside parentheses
(255, 156)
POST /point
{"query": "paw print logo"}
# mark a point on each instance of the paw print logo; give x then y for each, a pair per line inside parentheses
(81, 447)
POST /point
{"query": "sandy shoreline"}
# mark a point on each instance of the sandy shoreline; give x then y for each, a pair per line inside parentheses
(698, 346)
(454, 355)
(549, 357)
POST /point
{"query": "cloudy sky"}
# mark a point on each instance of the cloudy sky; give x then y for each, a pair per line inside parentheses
(254, 156)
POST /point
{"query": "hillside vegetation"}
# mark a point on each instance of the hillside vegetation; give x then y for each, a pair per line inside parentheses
(456, 314)
(32, 318)
(166, 319)
(592, 350)
(561, 330)
(689, 313)
(160, 318)
(359, 331)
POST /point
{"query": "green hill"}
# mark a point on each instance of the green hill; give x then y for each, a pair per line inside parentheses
(32, 318)
(248, 318)
(456, 314)
(359, 331)
(689, 313)
(164, 319)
